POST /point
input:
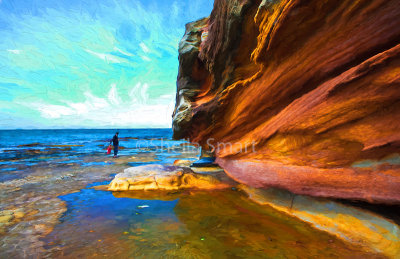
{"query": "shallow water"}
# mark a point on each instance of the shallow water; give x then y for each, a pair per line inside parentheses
(52, 210)
(217, 224)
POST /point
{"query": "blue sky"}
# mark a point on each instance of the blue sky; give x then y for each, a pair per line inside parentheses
(91, 63)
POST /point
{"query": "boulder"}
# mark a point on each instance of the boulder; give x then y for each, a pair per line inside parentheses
(161, 177)
(182, 162)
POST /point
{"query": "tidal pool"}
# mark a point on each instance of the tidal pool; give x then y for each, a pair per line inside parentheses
(212, 224)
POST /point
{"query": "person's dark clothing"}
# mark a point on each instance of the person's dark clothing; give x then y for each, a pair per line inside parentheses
(115, 142)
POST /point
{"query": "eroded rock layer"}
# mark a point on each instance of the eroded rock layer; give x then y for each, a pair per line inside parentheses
(160, 177)
(300, 95)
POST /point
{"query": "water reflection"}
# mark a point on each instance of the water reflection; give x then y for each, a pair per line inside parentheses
(217, 224)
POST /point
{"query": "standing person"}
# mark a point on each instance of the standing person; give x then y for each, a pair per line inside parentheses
(115, 144)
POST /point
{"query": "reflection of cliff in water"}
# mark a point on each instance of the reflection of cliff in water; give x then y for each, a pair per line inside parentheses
(227, 223)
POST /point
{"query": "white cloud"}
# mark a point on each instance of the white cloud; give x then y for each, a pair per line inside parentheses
(80, 108)
(134, 92)
(145, 58)
(95, 102)
(167, 96)
(112, 111)
(52, 111)
(144, 47)
(106, 57)
(123, 52)
(113, 97)
(15, 51)
(139, 94)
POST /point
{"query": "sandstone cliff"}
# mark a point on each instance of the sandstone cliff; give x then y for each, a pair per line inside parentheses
(300, 95)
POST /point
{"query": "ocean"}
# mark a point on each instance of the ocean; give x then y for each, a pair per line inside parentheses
(22, 150)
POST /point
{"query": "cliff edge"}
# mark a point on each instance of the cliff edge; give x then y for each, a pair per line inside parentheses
(299, 95)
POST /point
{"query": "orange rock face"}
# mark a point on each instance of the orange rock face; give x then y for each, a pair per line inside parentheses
(300, 95)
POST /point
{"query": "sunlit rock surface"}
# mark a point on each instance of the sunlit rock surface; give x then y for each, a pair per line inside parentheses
(161, 177)
(182, 162)
(300, 95)
(374, 232)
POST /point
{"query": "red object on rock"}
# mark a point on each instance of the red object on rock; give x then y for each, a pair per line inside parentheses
(109, 150)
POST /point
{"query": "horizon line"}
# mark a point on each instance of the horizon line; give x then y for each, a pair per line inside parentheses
(78, 128)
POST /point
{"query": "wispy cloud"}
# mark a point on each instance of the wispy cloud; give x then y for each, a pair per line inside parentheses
(15, 51)
(144, 47)
(145, 58)
(123, 52)
(50, 111)
(113, 97)
(106, 57)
